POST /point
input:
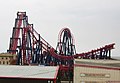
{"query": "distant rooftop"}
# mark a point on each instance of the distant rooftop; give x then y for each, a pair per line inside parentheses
(7, 54)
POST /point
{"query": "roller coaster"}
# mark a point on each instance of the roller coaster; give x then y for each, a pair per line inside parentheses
(31, 48)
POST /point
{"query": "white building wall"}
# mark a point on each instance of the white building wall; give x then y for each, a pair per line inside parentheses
(95, 75)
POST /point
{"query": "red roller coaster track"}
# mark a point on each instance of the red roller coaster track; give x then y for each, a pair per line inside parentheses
(32, 48)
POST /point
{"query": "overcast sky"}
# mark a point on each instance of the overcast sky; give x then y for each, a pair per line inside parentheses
(94, 23)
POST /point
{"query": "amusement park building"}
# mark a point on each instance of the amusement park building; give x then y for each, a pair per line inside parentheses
(6, 58)
(96, 71)
(28, 74)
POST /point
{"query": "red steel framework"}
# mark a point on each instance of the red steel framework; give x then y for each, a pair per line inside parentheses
(31, 48)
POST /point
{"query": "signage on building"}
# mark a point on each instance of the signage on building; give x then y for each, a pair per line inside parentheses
(95, 75)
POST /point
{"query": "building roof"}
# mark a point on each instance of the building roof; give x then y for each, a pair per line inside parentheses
(99, 62)
(31, 72)
(6, 55)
